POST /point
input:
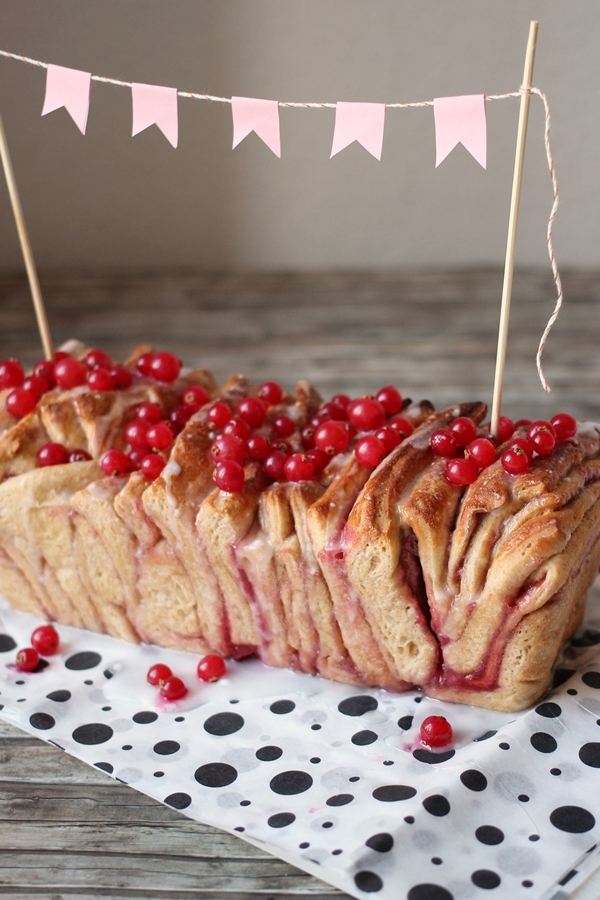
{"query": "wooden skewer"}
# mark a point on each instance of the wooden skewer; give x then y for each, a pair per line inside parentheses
(34, 284)
(513, 219)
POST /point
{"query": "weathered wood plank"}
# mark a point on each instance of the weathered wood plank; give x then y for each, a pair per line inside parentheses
(122, 871)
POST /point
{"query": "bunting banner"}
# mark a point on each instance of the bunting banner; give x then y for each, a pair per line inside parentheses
(69, 88)
(362, 122)
(460, 120)
(260, 116)
(155, 105)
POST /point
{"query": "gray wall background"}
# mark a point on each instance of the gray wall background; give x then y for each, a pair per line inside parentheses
(110, 201)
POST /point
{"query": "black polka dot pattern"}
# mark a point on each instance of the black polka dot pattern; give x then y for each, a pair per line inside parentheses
(7, 643)
(281, 820)
(572, 819)
(293, 782)
(325, 772)
(178, 800)
(87, 659)
(94, 733)
(224, 723)
(357, 706)
(145, 717)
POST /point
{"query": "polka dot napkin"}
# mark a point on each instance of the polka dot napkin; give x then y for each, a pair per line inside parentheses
(332, 777)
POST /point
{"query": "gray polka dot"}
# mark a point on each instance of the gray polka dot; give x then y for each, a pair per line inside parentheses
(518, 860)
(425, 840)
(129, 776)
(121, 725)
(314, 715)
(337, 779)
(508, 785)
(243, 759)
(229, 800)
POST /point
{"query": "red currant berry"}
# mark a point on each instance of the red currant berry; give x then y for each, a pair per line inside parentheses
(228, 446)
(45, 369)
(45, 640)
(461, 471)
(299, 467)
(172, 689)
(506, 429)
(151, 466)
(436, 731)
(522, 423)
(252, 410)
(211, 668)
(136, 433)
(308, 437)
(102, 380)
(273, 465)
(165, 367)
(79, 456)
(389, 437)
(271, 391)
(60, 354)
(114, 462)
(334, 411)
(443, 442)
(402, 426)
(317, 420)
(543, 437)
(151, 413)
(179, 417)
(11, 374)
(144, 364)
(390, 399)
(283, 426)
(369, 451)
(95, 358)
(136, 456)
(366, 414)
(219, 414)
(515, 461)
(258, 446)
(52, 454)
(319, 459)
(123, 377)
(239, 428)
(564, 425)
(525, 446)
(331, 437)
(20, 402)
(159, 436)
(158, 674)
(229, 476)
(464, 430)
(70, 373)
(195, 397)
(28, 659)
(482, 452)
(282, 445)
(36, 385)
(341, 400)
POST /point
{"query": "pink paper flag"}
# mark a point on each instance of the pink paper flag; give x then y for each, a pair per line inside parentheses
(69, 88)
(460, 120)
(261, 116)
(155, 105)
(362, 122)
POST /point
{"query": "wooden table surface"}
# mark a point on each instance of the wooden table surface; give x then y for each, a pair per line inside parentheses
(70, 831)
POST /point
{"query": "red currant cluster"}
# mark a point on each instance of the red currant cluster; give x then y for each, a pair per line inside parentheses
(468, 452)
(96, 369)
(328, 433)
(171, 687)
(436, 731)
(44, 642)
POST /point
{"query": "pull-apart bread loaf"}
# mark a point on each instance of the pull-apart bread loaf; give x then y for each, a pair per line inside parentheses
(376, 568)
